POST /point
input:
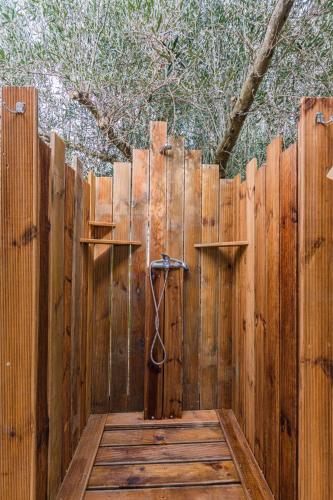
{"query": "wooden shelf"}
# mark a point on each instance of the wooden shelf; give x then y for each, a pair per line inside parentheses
(222, 244)
(95, 241)
(101, 224)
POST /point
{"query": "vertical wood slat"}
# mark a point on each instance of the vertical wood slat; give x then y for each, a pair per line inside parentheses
(288, 324)
(260, 310)
(157, 236)
(250, 304)
(102, 278)
(67, 351)
(315, 283)
(139, 229)
(192, 235)
(19, 276)
(272, 344)
(173, 334)
(226, 272)
(209, 287)
(236, 299)
(120, 289)
(77, 365)
(56, 311)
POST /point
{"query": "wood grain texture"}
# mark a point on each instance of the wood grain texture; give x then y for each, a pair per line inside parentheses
(189, 418)
(56, 311)
(288, 324)
(74, 484)
(191, 323)
(253, 481)
(224, 492)
(189, 452)
(102, 279)
(132, 476)
(139, 229)
(19, 293)
(272, 339)
(90, 264)
(315, 153)
(161, 436)
(120, 288)
(209, 288)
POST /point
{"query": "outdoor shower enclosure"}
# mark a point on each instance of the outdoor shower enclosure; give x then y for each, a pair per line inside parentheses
(247, 328)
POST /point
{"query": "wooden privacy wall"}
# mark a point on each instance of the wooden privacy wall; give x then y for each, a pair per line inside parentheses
(44, 210)
(169, 202)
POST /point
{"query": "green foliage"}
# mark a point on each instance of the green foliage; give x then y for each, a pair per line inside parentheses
(181, 61)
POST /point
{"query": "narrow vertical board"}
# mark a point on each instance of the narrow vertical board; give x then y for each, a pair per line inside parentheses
(42, 416)
(288, 324)
(191, 322)
(249, 305)
(272, 339)
(120, 288)
(315, 150)
(226, 271)
(19, 277)
(68, 262)
(153, 380)
(236, 299)
(76, 361)
(139, 230)
(90, 304)
(102, 287)
(56, 311)
(173, 331)
(260, 310)
(209, 288)
(86, 339)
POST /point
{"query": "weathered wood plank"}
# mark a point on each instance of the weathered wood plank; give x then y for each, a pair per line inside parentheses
(67, 345)
(288, 323)
(56, 311)
(272, 340)
(315, 150)
(76, 479)
(249, 358)
(132, 476)
(189, 417)
(209, 287)
(139, 228)
(120, 288)
(77, 347)
(189, 452)
(253, 481)
(161, 436)
(86, 338)
(102, 279)
(260, 310)
(225, 492)
(19, 292)
(191, 322)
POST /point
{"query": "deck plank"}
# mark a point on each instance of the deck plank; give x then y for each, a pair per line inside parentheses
(190, 417)
(161, 436)
(134, 476)
(221, 492)
(188, 452)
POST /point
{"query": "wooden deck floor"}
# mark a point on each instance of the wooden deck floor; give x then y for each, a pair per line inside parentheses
(121, 456)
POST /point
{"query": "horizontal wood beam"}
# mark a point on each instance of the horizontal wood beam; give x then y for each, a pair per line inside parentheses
(95, 241)
(222, 244)
(101, 223)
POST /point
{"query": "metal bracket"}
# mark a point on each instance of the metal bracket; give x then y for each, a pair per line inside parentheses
(320, 119)
(165, 148)
(19, 108)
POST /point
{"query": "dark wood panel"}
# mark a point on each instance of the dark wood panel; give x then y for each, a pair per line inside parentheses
(253, 481)
(189, 452)
(161, 436)
(225, 492)
(133, 476)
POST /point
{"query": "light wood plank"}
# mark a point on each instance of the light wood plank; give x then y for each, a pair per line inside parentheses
(76, 479)
(222, 244)
(190, 452)
(253, 481)
(189, 418)
(101, 223)
(133, 476)
(225, 492)
(161, 436)
(103, 241)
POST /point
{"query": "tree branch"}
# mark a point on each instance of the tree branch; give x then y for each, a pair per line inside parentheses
(103, 123)
(254, 77)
